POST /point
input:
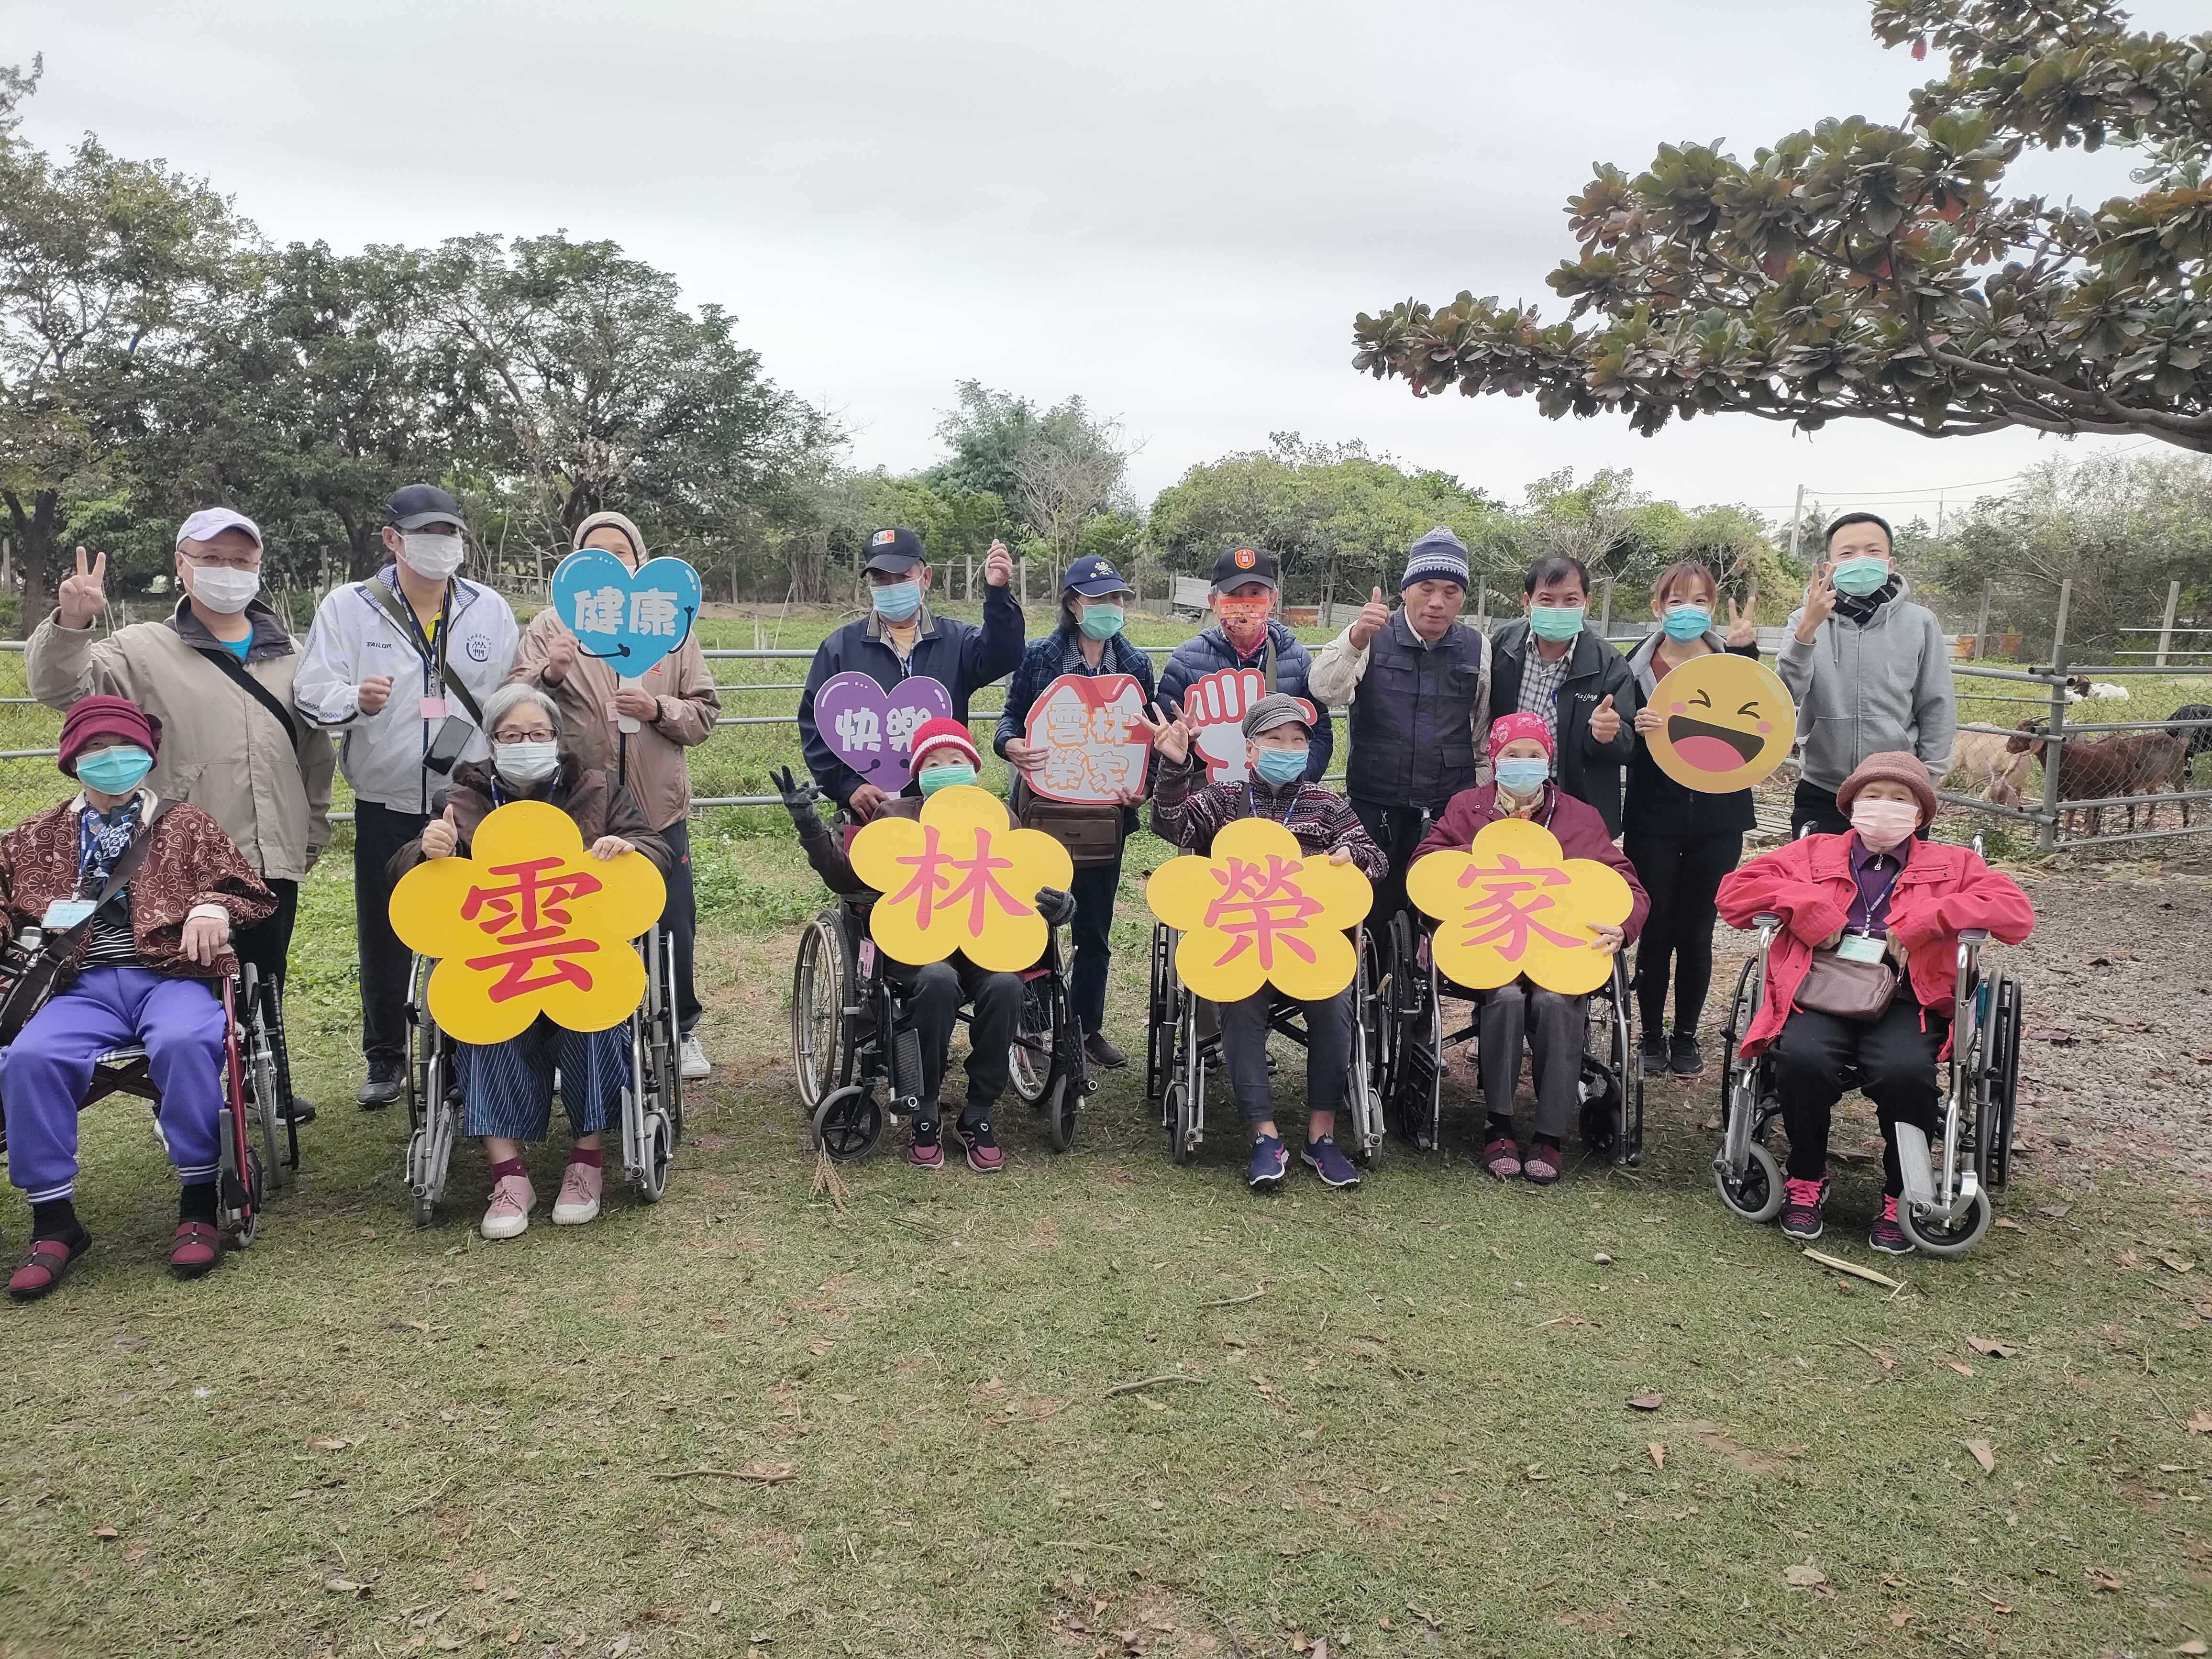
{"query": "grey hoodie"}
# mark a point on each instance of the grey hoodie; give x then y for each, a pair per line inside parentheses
(1863, 691)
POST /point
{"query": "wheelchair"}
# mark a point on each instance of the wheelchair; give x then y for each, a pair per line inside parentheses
(1611, 1083)
(256, 1084)
(652, 1105)
(1945, 1207)
(1178, 1054)
(857, 1056)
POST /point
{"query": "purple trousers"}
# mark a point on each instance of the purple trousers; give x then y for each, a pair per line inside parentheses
(45, 1072)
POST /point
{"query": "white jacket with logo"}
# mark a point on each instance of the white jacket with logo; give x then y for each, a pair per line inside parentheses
(356, 638)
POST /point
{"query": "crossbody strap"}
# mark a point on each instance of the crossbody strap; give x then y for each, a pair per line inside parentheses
(261, 694)
(399, 614)
(125, 868)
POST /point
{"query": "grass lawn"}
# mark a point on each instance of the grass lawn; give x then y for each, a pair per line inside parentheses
(751, 1421)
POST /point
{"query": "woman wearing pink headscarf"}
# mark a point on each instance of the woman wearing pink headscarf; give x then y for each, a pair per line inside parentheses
(1523, 787)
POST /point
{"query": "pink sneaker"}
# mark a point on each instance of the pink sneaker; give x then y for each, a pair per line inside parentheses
(578, 1201)
(512, 1198)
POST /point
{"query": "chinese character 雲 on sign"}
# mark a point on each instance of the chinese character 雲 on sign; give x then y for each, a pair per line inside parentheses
(530, 918)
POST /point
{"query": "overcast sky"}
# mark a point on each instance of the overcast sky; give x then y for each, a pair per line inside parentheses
(1173, 209)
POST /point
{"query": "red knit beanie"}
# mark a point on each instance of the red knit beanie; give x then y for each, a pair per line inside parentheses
(944, 733)
(103, 716)
(1509, 728)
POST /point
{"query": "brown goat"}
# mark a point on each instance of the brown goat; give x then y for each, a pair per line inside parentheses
(2097, 769)
(2157, 764)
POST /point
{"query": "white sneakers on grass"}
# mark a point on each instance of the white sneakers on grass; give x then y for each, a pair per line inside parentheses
(694, 1062)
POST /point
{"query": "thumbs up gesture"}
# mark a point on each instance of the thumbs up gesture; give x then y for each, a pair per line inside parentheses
(1605, 721)
(1374, 617)
(440, 836)
(83, 596)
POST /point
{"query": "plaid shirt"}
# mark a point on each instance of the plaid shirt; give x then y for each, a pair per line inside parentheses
(1540, 687)
(1322, 819)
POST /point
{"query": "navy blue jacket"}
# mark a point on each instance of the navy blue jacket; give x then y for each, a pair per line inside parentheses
(1196, 659)
(958, 655)
(1041, 667)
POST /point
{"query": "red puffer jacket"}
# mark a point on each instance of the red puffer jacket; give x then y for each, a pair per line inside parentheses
(1943, 891)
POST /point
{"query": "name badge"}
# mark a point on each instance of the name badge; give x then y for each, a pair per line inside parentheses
(67, 913)
(1860, 947)
(434, 708)
(614, 714)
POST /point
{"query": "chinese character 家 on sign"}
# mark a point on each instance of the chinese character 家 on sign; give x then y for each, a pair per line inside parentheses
(1515, 905)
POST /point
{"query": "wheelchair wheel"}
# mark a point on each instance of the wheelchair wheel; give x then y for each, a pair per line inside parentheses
(848, 1122)
(1160, 1016)
(1028, 1057)
(1609, 1071)
(821, 985)
(668, 1055)
(244, 1231)
(660, 1151)
(1416, 1093)
(430, 1148)
(1757, 1195)
(2004, 1050)
(263, 1078)
(1060, 1101)
(1939, 1239)
(1175, 1107)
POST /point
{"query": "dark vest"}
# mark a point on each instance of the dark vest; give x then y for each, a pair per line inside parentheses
(1412, 738)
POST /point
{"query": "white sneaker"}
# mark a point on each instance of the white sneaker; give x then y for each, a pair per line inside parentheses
(579, 1201)
(512, 1198)
(693, 1061)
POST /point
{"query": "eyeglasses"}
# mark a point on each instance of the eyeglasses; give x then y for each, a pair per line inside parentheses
(207, 561)
(536, 734)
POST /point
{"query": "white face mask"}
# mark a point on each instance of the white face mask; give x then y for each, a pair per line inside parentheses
(527, 764)
(222, 590)
(436, 556)
(1881, 824)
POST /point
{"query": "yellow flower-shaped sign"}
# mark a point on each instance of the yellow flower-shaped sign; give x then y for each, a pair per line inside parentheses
(1515, 905)
(529, 924)
(959, 878)
(1258, 912)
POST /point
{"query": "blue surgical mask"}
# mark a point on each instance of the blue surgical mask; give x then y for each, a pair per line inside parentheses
(1685, 623)
(1521, 777)
(896, 601)
(1555, 623)
(1281, 766)
(114, 771)
(934, 778)
(1100, 621)
(1860, 576)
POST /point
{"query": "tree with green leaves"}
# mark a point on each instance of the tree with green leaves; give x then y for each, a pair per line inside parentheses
(1865, 271)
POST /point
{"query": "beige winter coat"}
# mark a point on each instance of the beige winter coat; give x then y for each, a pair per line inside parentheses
(222, 750)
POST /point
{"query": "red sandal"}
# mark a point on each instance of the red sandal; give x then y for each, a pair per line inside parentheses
(195, 1248)
(45, 1265)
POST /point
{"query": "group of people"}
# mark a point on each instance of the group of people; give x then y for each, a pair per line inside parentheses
(201, 747)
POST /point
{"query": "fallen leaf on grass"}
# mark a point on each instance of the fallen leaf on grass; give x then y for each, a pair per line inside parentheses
(1899, 1619)
(2179, 1264)
(1983, 1455)
(2010, 1224)
(1804, 1575)
(1990, 1347)
(1648, 1402)
(105, 1534)
(2201, 1424)
(332, 1445)
(345, 1587)
(1658, 1455)
(1962, 1369)
(2106, 1581)
(2194, 1644)
(1602, 1259)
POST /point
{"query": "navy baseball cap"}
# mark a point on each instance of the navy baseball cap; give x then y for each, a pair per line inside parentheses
(894, 549)
(1094, 579)
(1245, 564)
(413, 506)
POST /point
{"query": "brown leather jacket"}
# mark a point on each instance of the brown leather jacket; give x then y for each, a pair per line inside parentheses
(599, 805)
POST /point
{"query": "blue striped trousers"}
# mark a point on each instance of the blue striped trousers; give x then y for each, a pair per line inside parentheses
(507, 1088)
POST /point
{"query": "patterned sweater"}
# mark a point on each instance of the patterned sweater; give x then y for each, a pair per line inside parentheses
(1322, 819)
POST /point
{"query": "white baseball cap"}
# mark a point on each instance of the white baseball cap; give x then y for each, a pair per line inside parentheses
(209, 522)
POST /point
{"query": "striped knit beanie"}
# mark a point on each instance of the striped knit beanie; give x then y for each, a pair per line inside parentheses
(1437, 557)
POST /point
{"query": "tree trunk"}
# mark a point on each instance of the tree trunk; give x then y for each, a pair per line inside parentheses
(35, 536)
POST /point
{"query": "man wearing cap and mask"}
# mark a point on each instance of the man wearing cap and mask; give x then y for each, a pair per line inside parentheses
(674, 705)
(1416, 732)
(1246, 581)
(901, 637)
(217, 674)
(402, 664)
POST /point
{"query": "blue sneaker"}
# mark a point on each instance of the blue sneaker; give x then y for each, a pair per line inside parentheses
(1269, 1164)
(1327, 1159)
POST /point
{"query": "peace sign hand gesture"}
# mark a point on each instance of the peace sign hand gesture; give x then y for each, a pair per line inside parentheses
(1170, 736)
(83, 596)
(1740, 629)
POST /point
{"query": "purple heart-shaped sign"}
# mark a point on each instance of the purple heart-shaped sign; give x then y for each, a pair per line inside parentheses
(871, 729)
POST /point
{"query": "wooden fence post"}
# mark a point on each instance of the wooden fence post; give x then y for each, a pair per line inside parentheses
(2165, 629)
(2053, 752)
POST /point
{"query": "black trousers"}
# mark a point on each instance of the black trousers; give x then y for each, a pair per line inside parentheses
(1094, 889)
(1816, 807)
(934, 996)
(1397, 830)
(1682, 874)
(269, 941)
(680, 916)
(377, 833)
(1895, 1056)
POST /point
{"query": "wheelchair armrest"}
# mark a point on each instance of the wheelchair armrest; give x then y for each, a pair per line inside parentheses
(1766, 919)
(1973, 935)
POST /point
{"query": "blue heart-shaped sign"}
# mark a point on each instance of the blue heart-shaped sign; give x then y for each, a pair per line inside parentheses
(629, 619)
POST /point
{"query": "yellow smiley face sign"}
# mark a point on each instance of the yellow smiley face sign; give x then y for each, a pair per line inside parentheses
(961, 877)
(529, 924)
(1258, 911)
(1725, 722)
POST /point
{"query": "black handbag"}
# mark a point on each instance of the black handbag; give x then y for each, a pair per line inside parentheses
(34, 973)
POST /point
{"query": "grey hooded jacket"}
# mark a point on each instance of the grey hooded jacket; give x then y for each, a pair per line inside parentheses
(1866, 689)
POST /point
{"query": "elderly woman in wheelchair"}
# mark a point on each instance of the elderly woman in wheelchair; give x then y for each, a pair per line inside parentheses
(942, 753)
(1868, 947)
(507, 1088)
(1554, 1026)
(137, 900)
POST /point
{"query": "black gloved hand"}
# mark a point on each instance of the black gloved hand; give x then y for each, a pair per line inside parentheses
(1055, 906)
(798, 800)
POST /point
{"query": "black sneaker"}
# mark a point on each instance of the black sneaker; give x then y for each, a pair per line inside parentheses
(1801, 1209)
(386, 1078)
(1685, 1059)
(297, 1110)
(1653, 1054)
(1886, 1234)
(1104, 1052)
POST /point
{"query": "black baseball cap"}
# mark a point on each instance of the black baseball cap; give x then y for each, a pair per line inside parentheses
(894, 549)
(1246, 564)
(413, 506)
